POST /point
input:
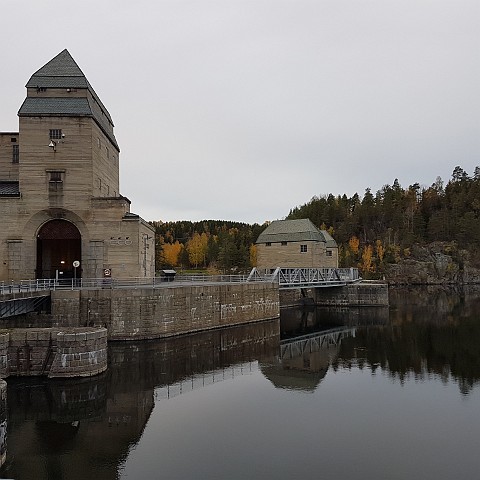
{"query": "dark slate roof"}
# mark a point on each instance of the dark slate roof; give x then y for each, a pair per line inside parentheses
(63, 72)
(294, 231)
(55, 106)
(63, 65)
(9, 189)
(57, 82)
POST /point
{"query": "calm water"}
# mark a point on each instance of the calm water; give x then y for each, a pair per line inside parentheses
(365, 394)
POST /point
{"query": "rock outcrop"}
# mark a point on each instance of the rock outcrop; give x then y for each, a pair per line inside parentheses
(434, 264)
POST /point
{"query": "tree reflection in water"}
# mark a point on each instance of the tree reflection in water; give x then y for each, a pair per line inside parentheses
(88, 428)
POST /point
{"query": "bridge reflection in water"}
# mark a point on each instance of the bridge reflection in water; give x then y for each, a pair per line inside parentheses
(55, 428)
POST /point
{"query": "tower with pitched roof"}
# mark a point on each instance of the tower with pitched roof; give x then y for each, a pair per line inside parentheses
(59, 186)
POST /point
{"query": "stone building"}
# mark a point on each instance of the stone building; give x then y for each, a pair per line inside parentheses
(295, 244)
(59, 187)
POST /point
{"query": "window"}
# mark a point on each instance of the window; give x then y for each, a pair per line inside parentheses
(15, 153)
(303, 249)
(55, 134)
(329, 253)
(13, 139)
(55, 175)
(268, 244)
(284, 244)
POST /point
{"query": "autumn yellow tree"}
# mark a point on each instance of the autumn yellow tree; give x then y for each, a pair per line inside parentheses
(354, 244)
(380, 250)
(366, 264)
(171, 252)
(197, 249)
(253, 255)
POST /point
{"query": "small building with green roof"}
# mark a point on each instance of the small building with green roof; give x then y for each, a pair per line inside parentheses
(295, 244)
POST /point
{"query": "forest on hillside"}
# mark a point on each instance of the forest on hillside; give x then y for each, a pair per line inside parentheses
(372, 230)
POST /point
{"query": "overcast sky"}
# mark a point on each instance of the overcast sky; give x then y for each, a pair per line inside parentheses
(241, 110)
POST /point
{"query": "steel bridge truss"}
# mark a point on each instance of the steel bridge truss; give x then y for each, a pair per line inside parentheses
(307, 277)
(19, 306)
(313, 342)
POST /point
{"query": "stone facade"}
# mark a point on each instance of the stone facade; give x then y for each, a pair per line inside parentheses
(59, 187)
(295, 244)
(53, 352)
(143, 313)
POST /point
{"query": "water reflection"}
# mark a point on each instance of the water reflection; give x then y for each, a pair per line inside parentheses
(427, 331)
(89, 428)
(86, 428)
(433, 331)
(311, 341)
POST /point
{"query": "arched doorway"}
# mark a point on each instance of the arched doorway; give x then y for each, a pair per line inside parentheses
(59, 244)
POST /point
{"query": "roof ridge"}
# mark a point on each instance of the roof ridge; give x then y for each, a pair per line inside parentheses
(62, 65)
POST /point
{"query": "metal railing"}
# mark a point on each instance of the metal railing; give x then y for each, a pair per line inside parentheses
(38, 285)
(285, 277)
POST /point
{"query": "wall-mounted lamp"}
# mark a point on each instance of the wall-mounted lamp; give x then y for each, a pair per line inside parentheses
(53, 145)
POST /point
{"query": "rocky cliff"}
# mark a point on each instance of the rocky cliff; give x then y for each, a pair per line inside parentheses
(433, 264)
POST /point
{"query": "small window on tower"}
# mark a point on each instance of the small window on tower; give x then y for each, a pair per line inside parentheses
(303, 248)
(55, 134)
(15, 154)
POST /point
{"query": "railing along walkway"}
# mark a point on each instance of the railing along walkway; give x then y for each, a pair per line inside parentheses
(285, 277)
(41, 285)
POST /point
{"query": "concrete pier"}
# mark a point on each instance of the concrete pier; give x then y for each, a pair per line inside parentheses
(357, 294)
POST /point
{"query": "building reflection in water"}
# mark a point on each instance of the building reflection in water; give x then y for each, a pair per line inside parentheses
(310, 342)
(86, 428)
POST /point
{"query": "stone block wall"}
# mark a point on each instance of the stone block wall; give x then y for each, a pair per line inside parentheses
(168, 310)
(357, 294)
(179, 310)
(80, 353)
(73, 352)
(3, 422)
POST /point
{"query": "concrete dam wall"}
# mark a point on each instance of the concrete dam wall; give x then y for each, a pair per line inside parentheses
(144, 313)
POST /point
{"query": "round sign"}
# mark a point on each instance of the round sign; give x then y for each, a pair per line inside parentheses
(76, 263)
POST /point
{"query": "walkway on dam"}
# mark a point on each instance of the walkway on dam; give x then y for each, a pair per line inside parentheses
(285, 277)
(30, 295)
